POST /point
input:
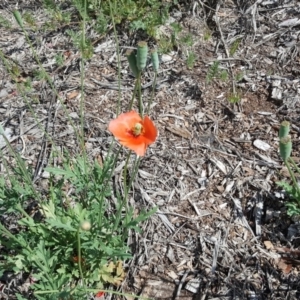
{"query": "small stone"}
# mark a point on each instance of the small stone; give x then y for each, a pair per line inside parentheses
(261, 145)
(276, 94)
(3, 93)
(7, 132)
(276, 83)
(279, 195)
(74, 115)
(46, 175)
(166, 58)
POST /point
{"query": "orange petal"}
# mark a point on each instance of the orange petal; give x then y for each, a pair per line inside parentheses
(150, 130)
(119, 130)
(129, 118)
(120, 126)
(137, 145)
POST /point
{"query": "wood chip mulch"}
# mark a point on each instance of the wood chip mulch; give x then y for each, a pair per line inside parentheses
(221, 230)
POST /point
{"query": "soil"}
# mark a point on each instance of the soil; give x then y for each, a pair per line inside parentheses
(221, 231)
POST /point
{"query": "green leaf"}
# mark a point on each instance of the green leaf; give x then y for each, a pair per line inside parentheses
(20, 297)
(18, 18)
(27, 222)
(287, 187)
(59, 225)
(49, 210)
(293, 209)
(136, 25)
(19, 262)
(57, 171)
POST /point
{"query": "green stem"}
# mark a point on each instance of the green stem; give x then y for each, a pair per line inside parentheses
(105, 179)
(135, 170)
(11, 236)
(294, 165)
(118, 55)
(296, 186)
(82, 98)
(152, 94)
(134, 93)
(141, 108)
(22, 167)
(21, 210)
(80, 259)
(126, 191)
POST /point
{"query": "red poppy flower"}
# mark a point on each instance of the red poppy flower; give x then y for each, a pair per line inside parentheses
(100, 294)
(134, 132)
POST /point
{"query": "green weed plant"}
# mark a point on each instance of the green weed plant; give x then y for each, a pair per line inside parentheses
(4, 22)
(213, 71)
(191, 59)
(138, 15)
(292, 189)
(234, 98)
(234, 47)
(72, 242)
